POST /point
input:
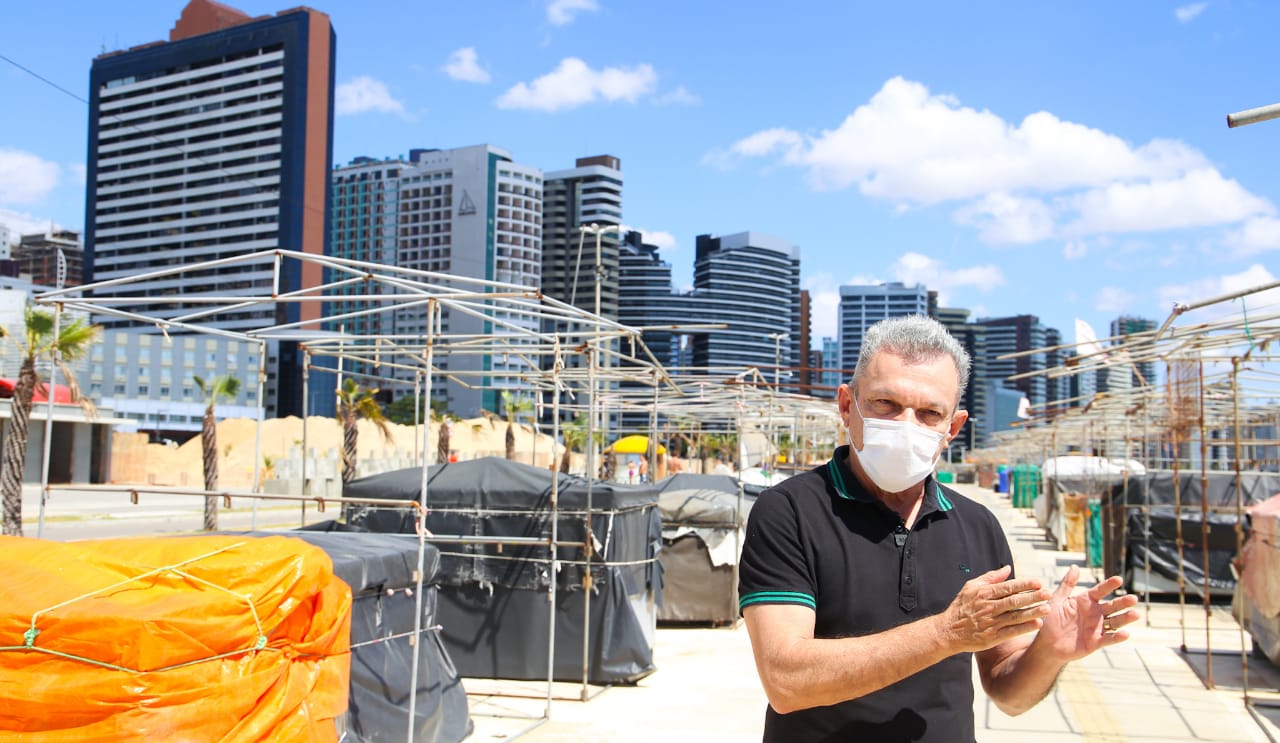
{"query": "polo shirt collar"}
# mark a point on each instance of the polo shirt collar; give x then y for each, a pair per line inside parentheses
(848, 487)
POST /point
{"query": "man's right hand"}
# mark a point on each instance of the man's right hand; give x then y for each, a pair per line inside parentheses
(991, 609)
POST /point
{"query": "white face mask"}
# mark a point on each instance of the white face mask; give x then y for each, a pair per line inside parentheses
(895, 454)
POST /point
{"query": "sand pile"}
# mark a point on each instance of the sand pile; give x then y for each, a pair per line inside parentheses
(182, 465)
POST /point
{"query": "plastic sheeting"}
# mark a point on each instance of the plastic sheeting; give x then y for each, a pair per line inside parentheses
(212, 638)
(380, 570)
(701, 542)
(493, 598)
(1080, 476)
(1260, 559)
(1140, 525)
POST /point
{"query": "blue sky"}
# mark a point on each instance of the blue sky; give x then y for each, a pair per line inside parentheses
(1068, 160)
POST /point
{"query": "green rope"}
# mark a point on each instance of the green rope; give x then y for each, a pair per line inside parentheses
(1245, 311)
(260, 643)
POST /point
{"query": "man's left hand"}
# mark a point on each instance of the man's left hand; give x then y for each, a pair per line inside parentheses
(1081, 622)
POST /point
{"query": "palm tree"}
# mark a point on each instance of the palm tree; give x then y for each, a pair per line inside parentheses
(575, 437)
(356, 402)
(213, 391)
(514, 408)
(70, 343)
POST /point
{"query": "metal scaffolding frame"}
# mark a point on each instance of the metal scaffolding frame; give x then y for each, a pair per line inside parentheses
(516, 320)
(1215, 410)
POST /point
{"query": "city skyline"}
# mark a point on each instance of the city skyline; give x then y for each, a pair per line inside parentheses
(1033, 180)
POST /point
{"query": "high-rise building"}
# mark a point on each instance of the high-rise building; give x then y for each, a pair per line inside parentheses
(1144, 372)
(589, 193)
(212, 145)
(364, 225)
(832, 375)
(37, 257)
(861, 306)
(806, 370)
(974, 339)
(1016, 334)
(471, 212)
(644, 292)
(750, 282)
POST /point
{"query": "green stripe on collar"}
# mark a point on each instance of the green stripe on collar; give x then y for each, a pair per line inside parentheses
(943, 503)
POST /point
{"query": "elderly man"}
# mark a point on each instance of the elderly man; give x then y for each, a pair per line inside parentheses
(867, 586)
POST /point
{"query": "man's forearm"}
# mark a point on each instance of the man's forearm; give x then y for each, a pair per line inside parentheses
(815, 672)
(1021, 678)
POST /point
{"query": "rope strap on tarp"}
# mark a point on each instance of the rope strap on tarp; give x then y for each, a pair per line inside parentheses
(30, 636)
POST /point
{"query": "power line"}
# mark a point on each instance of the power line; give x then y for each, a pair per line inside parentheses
(43, 79)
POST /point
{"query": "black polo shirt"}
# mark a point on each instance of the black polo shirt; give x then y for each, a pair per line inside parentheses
(820, 540)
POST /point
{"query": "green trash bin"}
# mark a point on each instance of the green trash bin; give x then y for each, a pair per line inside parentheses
(946, 477)
(1024, 485)
(1093, 532)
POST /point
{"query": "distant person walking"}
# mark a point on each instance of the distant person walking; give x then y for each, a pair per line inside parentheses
(631, 471)
(644, 470)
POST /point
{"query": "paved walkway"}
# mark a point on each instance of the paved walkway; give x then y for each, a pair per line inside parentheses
(706, 689)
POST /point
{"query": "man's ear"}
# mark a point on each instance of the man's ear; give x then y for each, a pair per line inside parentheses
(957, 423)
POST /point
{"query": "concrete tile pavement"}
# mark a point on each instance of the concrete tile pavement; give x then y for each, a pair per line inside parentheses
(1146, 689)
(706, 688)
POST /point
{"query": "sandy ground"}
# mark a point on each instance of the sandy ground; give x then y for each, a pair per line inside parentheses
(158, 464)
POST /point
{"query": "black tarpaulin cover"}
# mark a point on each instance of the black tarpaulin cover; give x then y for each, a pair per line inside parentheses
(1141, 526)
(380, 570)
(691, 499)
(700, 544)
(493, 598)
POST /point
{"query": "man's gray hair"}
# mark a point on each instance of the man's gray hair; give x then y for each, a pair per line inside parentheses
(916, 339)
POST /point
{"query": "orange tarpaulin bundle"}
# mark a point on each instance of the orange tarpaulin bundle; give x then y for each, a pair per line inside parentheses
(171, 639)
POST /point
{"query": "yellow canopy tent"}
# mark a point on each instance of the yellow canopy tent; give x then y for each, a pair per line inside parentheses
(634, 444)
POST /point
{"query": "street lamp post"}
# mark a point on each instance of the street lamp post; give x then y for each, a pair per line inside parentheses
(777, 356)
(777, 375)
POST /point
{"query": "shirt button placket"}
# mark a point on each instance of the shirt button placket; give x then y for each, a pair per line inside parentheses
(907, 584)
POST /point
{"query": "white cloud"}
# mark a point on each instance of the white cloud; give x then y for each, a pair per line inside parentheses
(916, 268)
(564, 12)
(1198, 198)
(464, 65)
(573, 83)
(20, 223)
(1187, 13)
(1075, 250)
(1003, 219)
(1213, 286)
(25, 178)
(909, 145)
(1015, 182)
(1257, 235)
(678, 97)
(1112, 299)
(824, 304)
(663, 239)
(364, 94)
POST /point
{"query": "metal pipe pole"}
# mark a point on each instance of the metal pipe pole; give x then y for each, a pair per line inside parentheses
(588, 540)
(1235, 431)
(48, 421)
(306, 400)
(555, 532)
(257, 450)
(1204, 533)
(419, 574)
(1253, 115)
